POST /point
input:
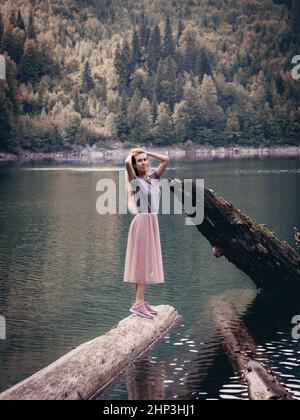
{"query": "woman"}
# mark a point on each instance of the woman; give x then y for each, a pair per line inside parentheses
(143, 263)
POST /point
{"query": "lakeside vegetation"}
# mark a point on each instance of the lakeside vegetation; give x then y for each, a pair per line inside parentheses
(207, 72)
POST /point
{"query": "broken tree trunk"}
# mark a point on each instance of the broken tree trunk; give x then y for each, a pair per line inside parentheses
(269, 262)
(92, 366)
(242, 352)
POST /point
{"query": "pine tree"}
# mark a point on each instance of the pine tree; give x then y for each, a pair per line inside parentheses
(190, 55)
(136, 58)
(212, 114)
(35, 63)
(180, 29)
(169, 82)
(232, 128)
(31, 34)
(5, 120)
(181, 121)
(147, 38)
(13, 44)
(154, 50)
(158, 88)
(134, 104)
(20, 22)
(122, 125)
(13, 19)
(87, 79)
(11, 74)
(203, 64)
(123, 66)
(179, 88)
(168, 44)
(144, 120)
(142, 30)
(163, 130)
(154, 107)
(193, 115)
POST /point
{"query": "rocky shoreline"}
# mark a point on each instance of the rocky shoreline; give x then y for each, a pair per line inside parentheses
(117, 153)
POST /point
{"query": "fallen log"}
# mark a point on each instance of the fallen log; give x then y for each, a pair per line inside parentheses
(263, 384)
(92, 366)
(269, 262)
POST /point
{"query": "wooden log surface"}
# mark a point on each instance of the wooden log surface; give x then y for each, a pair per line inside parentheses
(251, 247)
(241, 349)
(92, 366)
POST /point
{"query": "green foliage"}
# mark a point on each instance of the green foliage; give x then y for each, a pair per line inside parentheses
(87, 79)
(83, 71)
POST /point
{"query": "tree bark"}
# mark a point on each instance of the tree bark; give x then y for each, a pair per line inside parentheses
(92, 366)
(269, 262)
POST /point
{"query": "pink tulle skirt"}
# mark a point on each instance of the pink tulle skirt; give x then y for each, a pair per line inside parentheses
(143, 262)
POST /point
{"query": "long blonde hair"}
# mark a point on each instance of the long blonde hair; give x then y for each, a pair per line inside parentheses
(130, 193)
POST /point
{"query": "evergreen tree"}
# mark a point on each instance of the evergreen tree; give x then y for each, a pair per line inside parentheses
(147, 38)
(35, 63)
(123, 66)
(122, 125)
(136, 58)
(154, 50)
(20, 22)
(168, 93)
(232, 128)
(31, 34)
(154, 107)
(203, 64)
(143, 30)
(87, 79)
(134, 104)
(163, 130)
(144, 121)
(75, 94)
(179, 88)
(180, 29)
(13, 19)
(12, 94)
(158, 84)
(190, 55)
(168, 44)
(193, 117)
(212, 114)
(5, 120)
(139, 80)
(13, 44)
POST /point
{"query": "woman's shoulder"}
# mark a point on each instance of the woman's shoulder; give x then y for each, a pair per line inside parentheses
(154, 175)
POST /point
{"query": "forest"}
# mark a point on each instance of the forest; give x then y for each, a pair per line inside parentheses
(165, 72)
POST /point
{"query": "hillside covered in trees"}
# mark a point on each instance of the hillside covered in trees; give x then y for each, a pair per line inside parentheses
(214, 72)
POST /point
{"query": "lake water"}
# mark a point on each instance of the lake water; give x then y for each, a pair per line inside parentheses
(61, 276)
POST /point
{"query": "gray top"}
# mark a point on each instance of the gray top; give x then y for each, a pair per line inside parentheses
(147, 193)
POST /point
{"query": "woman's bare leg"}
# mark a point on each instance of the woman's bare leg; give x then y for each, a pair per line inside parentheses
(140, 290)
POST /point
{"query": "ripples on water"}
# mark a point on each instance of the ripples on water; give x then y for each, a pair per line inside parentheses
(61, 268)
(198, 370)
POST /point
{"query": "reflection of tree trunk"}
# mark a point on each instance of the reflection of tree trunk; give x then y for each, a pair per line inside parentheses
(269, 262)
(93, 365)
(145, 381)
(244, 299)
(241, 349)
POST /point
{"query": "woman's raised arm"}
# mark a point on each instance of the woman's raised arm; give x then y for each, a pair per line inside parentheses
(164, 159)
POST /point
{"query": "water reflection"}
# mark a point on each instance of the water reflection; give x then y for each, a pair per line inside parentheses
(61, 268)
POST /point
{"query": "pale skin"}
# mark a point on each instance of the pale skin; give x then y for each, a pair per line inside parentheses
(142, 165)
